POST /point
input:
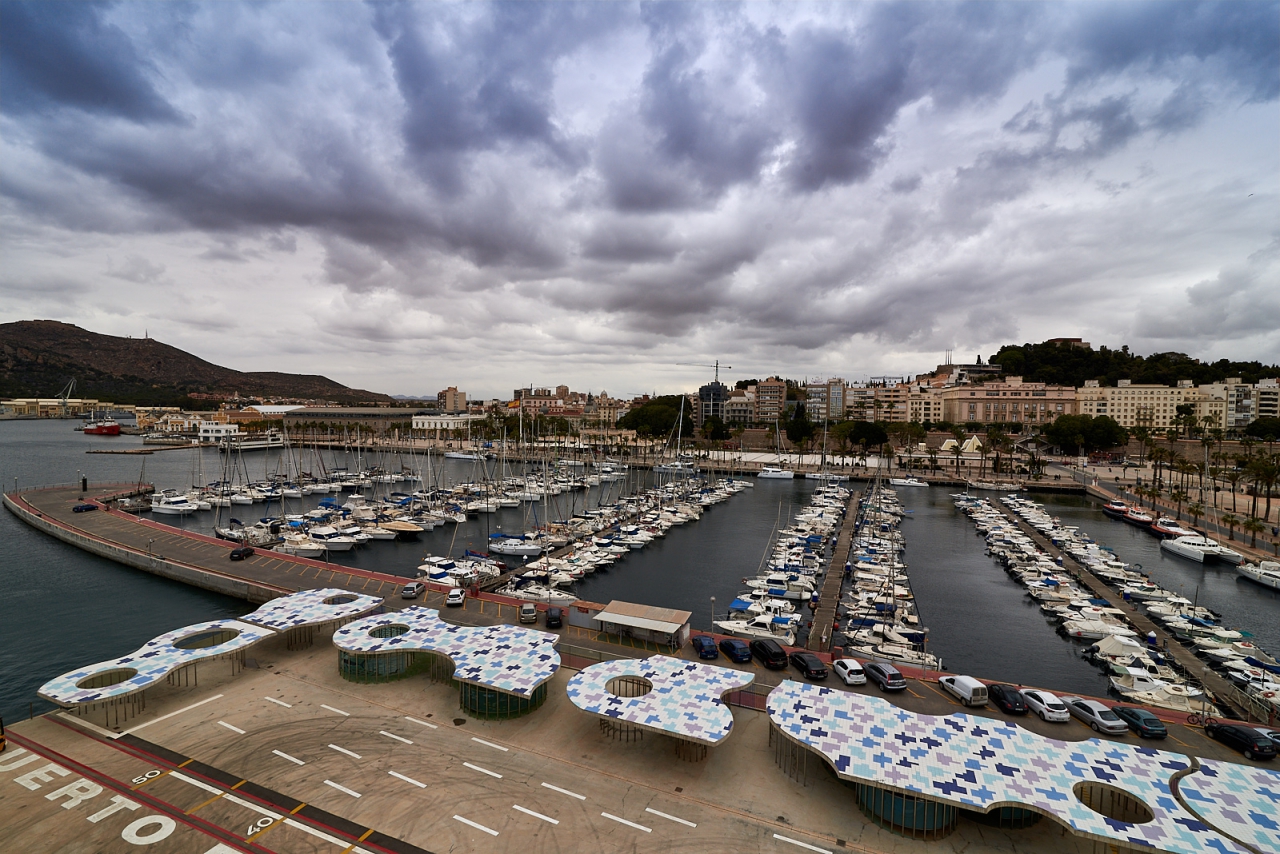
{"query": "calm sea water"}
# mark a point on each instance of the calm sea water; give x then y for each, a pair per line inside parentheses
(63, 608)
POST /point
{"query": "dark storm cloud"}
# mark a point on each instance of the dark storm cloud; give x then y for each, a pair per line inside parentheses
(65, 55)
(800, 175)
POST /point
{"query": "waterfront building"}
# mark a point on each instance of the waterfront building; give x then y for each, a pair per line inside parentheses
(711, 401)
(859, 401)
(1267, 398)
(1154, 407)
(892, 403)
(740, 407)
(435, 425)
(1009, 402)
(1239, 397)
(771, 400)
(380, 418)
(53, 407)
(825, 400)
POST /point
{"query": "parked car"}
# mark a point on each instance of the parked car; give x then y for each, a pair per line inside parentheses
(1141, 721)
(528, 612)
(1007, 698)
(809, 664)
(1097, 716)
(84, 508)
(885, 675)
(1246, 739)
(736, 650)
(705, 647)
(770, 653)
(412, 590)
(1046, 705)
(555, 617)
(241, 552)
(455, 598)
(1273, 734)
(968, 690)
(850, 671)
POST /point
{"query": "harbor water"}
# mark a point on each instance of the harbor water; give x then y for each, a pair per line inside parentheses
(64, 608)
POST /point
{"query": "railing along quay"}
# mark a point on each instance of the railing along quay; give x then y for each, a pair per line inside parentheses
(1220, 690)
(824, 617)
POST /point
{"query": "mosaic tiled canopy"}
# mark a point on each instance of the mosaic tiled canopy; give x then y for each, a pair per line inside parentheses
(979, 763)
(510, 659)
(309, 608)
(155, 660)
(686, 700)
(1239, 798)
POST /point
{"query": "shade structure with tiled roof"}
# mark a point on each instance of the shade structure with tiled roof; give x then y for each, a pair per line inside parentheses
(980, 764)
(312, 608)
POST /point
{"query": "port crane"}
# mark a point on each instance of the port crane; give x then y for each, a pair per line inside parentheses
(716, 366)
(67, 391)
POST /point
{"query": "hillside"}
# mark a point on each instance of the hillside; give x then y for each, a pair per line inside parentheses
(1062, 364)
(38, 357)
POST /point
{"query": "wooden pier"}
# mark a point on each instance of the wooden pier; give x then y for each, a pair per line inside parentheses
(824, 618)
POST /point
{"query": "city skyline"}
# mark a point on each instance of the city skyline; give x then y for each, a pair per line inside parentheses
(614, 196)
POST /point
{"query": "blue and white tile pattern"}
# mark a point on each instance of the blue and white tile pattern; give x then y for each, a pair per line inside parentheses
(155, 660)
(686, 700)
(1239, 798)
(980, 763)
(308, 608)
(510, 659)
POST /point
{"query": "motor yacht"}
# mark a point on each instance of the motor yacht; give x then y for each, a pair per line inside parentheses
(1166, 527)
(776, 473)
(906, 481)
(1266, 573)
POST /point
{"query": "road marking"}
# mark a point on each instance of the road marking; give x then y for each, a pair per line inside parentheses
(627, 823)
(468, 821)
(278, 702)
(482, 770)
(420, 723)
(295, 760)
(490, 744)
(337, 711)
(171, 714)
(230, 727)
(407, 779)
(535, 814)
(801, 844)
(342, 788)
(393, 735)
(671, 817)
(564, 791)
(348, 752)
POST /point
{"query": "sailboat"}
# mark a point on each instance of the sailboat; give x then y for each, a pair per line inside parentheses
(777, 472)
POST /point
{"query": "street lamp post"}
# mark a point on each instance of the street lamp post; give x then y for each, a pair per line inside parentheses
(713, 613)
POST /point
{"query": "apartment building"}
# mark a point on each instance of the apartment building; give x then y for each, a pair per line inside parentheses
(824, 400)
(452, 400)
(859, 402)
(1154, 407)
(1239, 398)
(1266, 395)
(740, 406)
(1009, 402)
(771, 400)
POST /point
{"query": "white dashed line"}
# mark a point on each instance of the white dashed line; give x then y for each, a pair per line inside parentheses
(489, 744)
(801, 844)
(535, 814)
(293, 759)
(627, 823)
(230, 727)
(348, 752)
(471, 823)
(342, 788)
(671, 817)
(482, 770)
(171, 714)
(564, 791)
(336, 711)
(278, 702)
(420, 723)
(407, 779)
(393, 735)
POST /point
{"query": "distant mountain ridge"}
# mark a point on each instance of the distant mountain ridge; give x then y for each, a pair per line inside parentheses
(38, 357)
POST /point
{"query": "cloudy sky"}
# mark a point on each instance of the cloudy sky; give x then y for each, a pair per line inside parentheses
(409, 196)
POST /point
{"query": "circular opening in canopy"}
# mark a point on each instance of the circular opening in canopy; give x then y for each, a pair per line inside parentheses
(340, 600)
(628, 686)
(107, 677)
(1114, 803)
(388, 631)
(206, 639)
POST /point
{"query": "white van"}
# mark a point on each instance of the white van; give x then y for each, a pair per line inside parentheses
(968, 690)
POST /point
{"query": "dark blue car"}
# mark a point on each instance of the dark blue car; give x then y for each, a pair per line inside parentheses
(736, 650)
(1141, 721)
(705, 646)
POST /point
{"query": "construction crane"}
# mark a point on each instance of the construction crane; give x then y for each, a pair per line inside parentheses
(716, 366)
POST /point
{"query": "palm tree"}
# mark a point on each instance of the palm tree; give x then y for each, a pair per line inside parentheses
(1233, 477)
(1196, 509)
(1179, 496)
(958, 434)
(1253, 525)
(1231, 520)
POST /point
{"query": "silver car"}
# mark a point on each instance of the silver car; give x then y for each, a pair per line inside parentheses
(1046, 705)
(1096, 715)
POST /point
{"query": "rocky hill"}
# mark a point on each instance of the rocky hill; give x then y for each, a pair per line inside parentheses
(39, 357)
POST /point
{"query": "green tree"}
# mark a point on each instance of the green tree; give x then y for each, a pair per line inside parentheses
(714, 429)
(1253, 526)
(1230, 520)
(799, 428)
(1196, 509)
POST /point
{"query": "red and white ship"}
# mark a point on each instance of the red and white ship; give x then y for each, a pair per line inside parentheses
(105, 427)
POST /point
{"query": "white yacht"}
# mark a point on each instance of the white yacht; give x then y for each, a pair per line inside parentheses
(332, 539)
(1200, 549)
(172, 504)
(775, 627)
(776, 473)
(1266, 573)
(906, 481)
